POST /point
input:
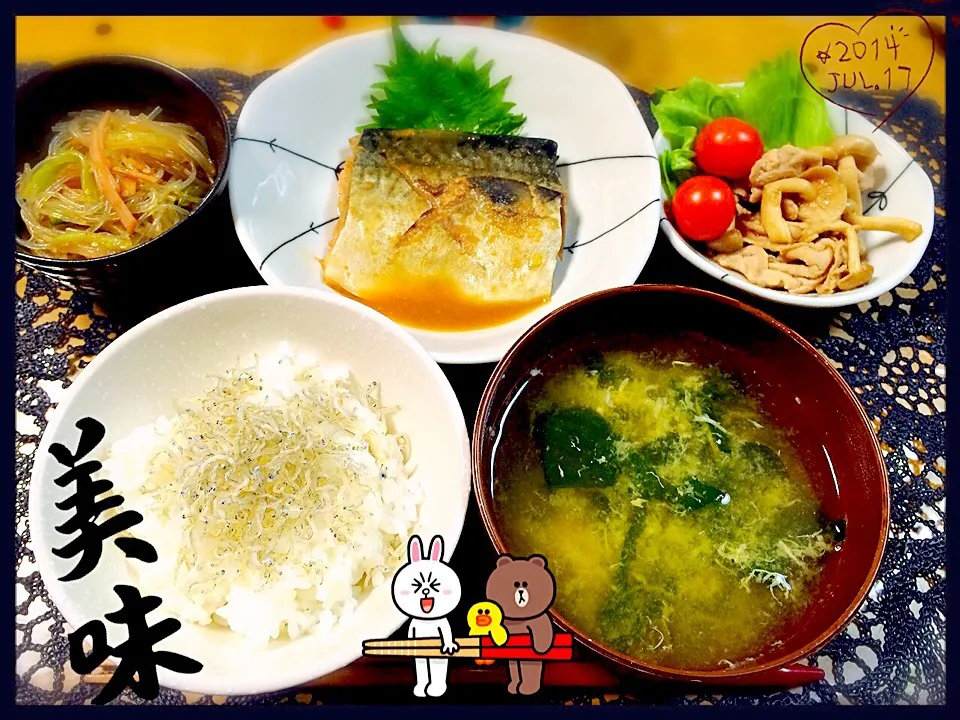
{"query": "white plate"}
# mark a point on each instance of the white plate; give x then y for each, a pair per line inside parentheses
(314, 106)
(171, 356)
(908, 193)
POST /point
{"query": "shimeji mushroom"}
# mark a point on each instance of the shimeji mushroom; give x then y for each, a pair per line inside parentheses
(857, 154)
(823, 199)
(907, 229)
(856, 279)
(829, 200)
(850, 174)
(859, 272)
(771, 207)
(730, 241)
(828, 155)
(791, 211)
(861, 149)
(852, 242)
(865, 157)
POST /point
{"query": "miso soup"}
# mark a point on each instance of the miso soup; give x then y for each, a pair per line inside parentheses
(679, 523)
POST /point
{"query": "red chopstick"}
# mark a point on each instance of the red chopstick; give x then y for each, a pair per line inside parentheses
(560, 640)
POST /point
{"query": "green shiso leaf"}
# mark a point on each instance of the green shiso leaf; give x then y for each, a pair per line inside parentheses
(429, 91)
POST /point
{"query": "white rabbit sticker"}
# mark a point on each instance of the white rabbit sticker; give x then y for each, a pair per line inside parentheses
(426, 590)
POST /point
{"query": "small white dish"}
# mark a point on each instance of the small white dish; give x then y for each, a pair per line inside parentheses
(295, 127)
(903, 190)
(171, 356)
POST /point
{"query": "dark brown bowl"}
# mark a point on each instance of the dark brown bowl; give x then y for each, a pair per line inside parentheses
(108, 83)
(797, 387)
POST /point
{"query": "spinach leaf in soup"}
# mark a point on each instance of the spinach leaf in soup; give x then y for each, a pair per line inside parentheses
(643, 468)
(629, 612)
(576, 448)
(628, 615)
(608, 374)
(693, 494)
(642, 465)
(656, 453)
(762, 459)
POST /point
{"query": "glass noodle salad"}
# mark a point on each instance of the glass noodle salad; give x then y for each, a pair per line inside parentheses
(110, 181)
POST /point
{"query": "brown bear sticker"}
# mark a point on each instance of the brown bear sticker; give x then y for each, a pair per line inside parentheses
(525, 589)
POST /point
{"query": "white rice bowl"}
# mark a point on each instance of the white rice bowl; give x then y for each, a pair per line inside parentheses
(175, 356)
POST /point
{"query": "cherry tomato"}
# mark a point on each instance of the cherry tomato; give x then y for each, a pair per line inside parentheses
(728, 148)
(703, 208)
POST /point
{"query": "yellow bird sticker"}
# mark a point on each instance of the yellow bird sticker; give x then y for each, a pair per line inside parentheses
(486, 618)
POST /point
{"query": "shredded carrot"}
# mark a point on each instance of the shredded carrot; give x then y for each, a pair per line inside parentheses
(105, 179)
(128, 187)
(134, 174)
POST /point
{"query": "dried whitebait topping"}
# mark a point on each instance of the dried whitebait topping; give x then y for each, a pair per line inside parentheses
(281, 496)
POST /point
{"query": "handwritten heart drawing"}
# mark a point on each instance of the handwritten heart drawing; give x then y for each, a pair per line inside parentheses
(892, 52)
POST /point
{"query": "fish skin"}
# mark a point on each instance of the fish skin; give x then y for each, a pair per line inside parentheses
(529, 160)
(484, 213)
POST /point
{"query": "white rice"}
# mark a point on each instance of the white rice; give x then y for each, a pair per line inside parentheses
(339, 533)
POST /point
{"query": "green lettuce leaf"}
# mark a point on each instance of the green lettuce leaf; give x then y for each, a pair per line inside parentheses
(784, 109)
(681, 114)
(775, 99)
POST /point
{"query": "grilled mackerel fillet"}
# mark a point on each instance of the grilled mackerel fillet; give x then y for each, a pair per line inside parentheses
(483, 214)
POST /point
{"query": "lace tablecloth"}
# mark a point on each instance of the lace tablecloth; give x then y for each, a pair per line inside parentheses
(891, 351)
